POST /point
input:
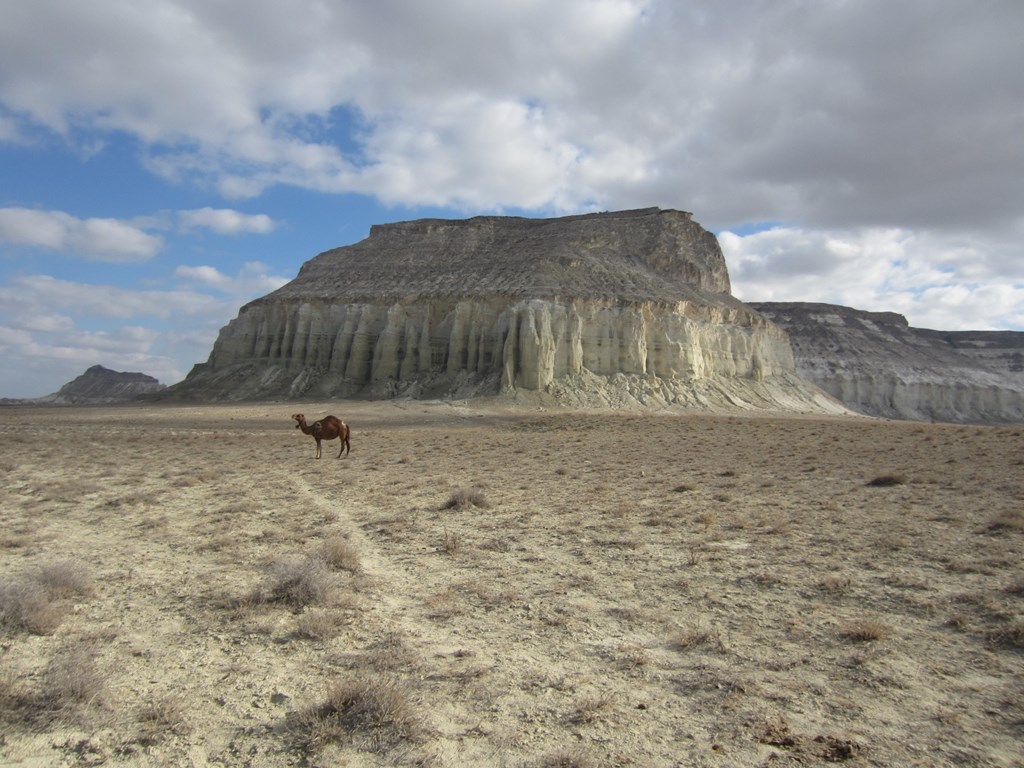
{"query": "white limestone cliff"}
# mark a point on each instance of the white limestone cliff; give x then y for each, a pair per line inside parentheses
(630, 307)
(878, 365)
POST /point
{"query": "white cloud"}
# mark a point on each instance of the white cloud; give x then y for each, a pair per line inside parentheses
(253, 279)
(829, 114)
(225, 221)
(923, 277)
(101, 301)
(98, 239)
(121, 328)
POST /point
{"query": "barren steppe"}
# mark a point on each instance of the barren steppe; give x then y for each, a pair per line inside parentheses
(187, 585)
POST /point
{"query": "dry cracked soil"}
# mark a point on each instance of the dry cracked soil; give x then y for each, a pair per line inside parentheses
(476, 586)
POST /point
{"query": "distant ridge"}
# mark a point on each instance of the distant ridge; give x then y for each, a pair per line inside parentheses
(878, 365)
(98, 385)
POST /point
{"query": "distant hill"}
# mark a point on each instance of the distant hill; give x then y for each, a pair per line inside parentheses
(877, 364)
(96, 386)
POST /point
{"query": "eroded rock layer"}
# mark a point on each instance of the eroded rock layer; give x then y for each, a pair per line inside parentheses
(603, 308)
(877, 364)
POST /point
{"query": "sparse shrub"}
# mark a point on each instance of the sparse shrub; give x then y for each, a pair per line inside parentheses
(71, 680)
(696, 637)
(339, 552)
(684, 488)
(959, 620)
(835, 584)
(1010, 637)
(444, 605)
(1007, 520)
(633, 656)
(300, 582)
(886, 481)
(36, 601)
(64, 578)
(9, 698)
(591, 708)
(26, 607)
(567, 759)
(707, 519)
(390, 653)
(318, 624)
(865, 631)
(462, 498)
(372, 713)
(160, 716)
(451, 543)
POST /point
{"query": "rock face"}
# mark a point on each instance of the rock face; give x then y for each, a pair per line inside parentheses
(102, 385)
(876, 364)
(611, 308)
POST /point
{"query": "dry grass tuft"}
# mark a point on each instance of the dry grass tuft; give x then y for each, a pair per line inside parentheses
(319, 624)
(451, 542)
(298, 583)
(1010, 637)
(462, 498)
(865, 631)
(64, 579)
(835, 584)
(160, 717)
(37, 602)
(567, 759)
(374, 714)
(1008, 520)
(26, 607)
(339, 552)
(591, 708)
(71, 682)
(697, 636)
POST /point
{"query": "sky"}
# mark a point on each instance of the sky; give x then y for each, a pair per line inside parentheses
(163, 162)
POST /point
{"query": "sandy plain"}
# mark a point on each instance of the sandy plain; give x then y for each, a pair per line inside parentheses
(187, 585)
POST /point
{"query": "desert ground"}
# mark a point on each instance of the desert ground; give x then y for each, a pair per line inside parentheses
(477, 586)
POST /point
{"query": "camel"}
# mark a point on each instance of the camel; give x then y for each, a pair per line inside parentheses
(328, 428)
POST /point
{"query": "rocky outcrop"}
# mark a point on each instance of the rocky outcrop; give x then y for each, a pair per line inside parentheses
(100, 385)
(613, 308)
(876, 364)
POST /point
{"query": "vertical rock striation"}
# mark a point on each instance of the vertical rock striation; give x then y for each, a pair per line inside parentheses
(877, 364)
(613, 308)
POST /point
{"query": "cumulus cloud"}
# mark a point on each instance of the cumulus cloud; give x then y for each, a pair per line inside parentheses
(928, 279)
(122, 328)
(99, 239)
(225, 221)
(253, 279)
(836, 114)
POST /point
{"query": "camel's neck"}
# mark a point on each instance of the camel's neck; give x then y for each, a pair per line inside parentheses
(305, 430)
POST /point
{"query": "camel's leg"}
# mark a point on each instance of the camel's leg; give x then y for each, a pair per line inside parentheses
(318, 448)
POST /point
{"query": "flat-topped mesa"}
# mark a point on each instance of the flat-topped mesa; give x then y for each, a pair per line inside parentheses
(600, 309)
(644, 255)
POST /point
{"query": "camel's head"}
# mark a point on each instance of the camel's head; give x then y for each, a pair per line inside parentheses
(299, 418)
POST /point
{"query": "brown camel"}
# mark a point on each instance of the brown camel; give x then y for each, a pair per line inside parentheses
(328, 428)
